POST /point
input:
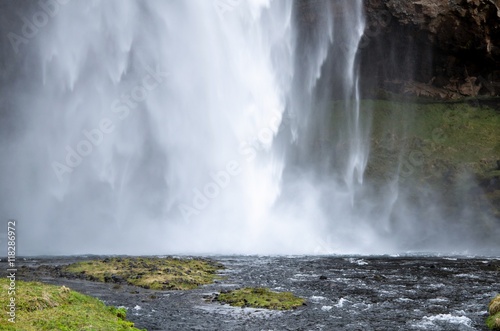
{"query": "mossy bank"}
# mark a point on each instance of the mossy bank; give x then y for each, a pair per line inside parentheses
(493, 321)
(148, 272)
(42, 307)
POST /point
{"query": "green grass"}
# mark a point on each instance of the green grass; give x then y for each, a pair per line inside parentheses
(149, 272)
(41, 307)
(448, 148)
(261, 298)
(493, 321)
(441, 145)
(440, 135)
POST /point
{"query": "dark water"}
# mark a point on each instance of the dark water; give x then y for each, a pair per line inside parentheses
(360, 293)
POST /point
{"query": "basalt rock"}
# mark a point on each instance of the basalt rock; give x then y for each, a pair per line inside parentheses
(450, 46)
(453, 26)
(441, 49)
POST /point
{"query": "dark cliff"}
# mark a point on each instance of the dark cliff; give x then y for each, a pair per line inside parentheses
(439, 48)
(444, 49)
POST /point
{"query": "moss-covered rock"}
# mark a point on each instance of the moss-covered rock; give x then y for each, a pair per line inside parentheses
(148, 272)
(260, 298)
(42, 307)
(493, 321)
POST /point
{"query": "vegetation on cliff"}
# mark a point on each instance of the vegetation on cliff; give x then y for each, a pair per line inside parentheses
(453, 147)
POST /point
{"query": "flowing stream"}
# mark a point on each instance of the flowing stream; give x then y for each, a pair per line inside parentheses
(342, 293)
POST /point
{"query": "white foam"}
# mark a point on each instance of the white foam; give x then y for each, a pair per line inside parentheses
(341, 302)
(317, 298)
(404, 300)
(358, 261)
(439, 285)
(467, 276)
(439, 319)
(438, 300)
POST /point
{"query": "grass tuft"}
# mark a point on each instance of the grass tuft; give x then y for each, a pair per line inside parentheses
(493, 321)
(261, 298)
(42, 307)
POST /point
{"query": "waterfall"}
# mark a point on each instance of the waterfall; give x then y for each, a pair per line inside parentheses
(157, 126)
(325, 164)
(143, 122)
(224, 126)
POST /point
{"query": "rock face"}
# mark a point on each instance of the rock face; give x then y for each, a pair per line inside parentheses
(452, 45)
(453, 25)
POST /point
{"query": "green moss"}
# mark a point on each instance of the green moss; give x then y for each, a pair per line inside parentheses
(428, 140)
(456, 134)
(439, 145)
(261, 298)
(41, 307)
(150, 272)
(493, 321)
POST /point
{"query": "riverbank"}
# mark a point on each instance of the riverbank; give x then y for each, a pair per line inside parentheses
(342, 293)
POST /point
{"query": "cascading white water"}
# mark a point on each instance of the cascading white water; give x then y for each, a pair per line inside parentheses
(151, 128)
(139, 108)
(325, 167)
